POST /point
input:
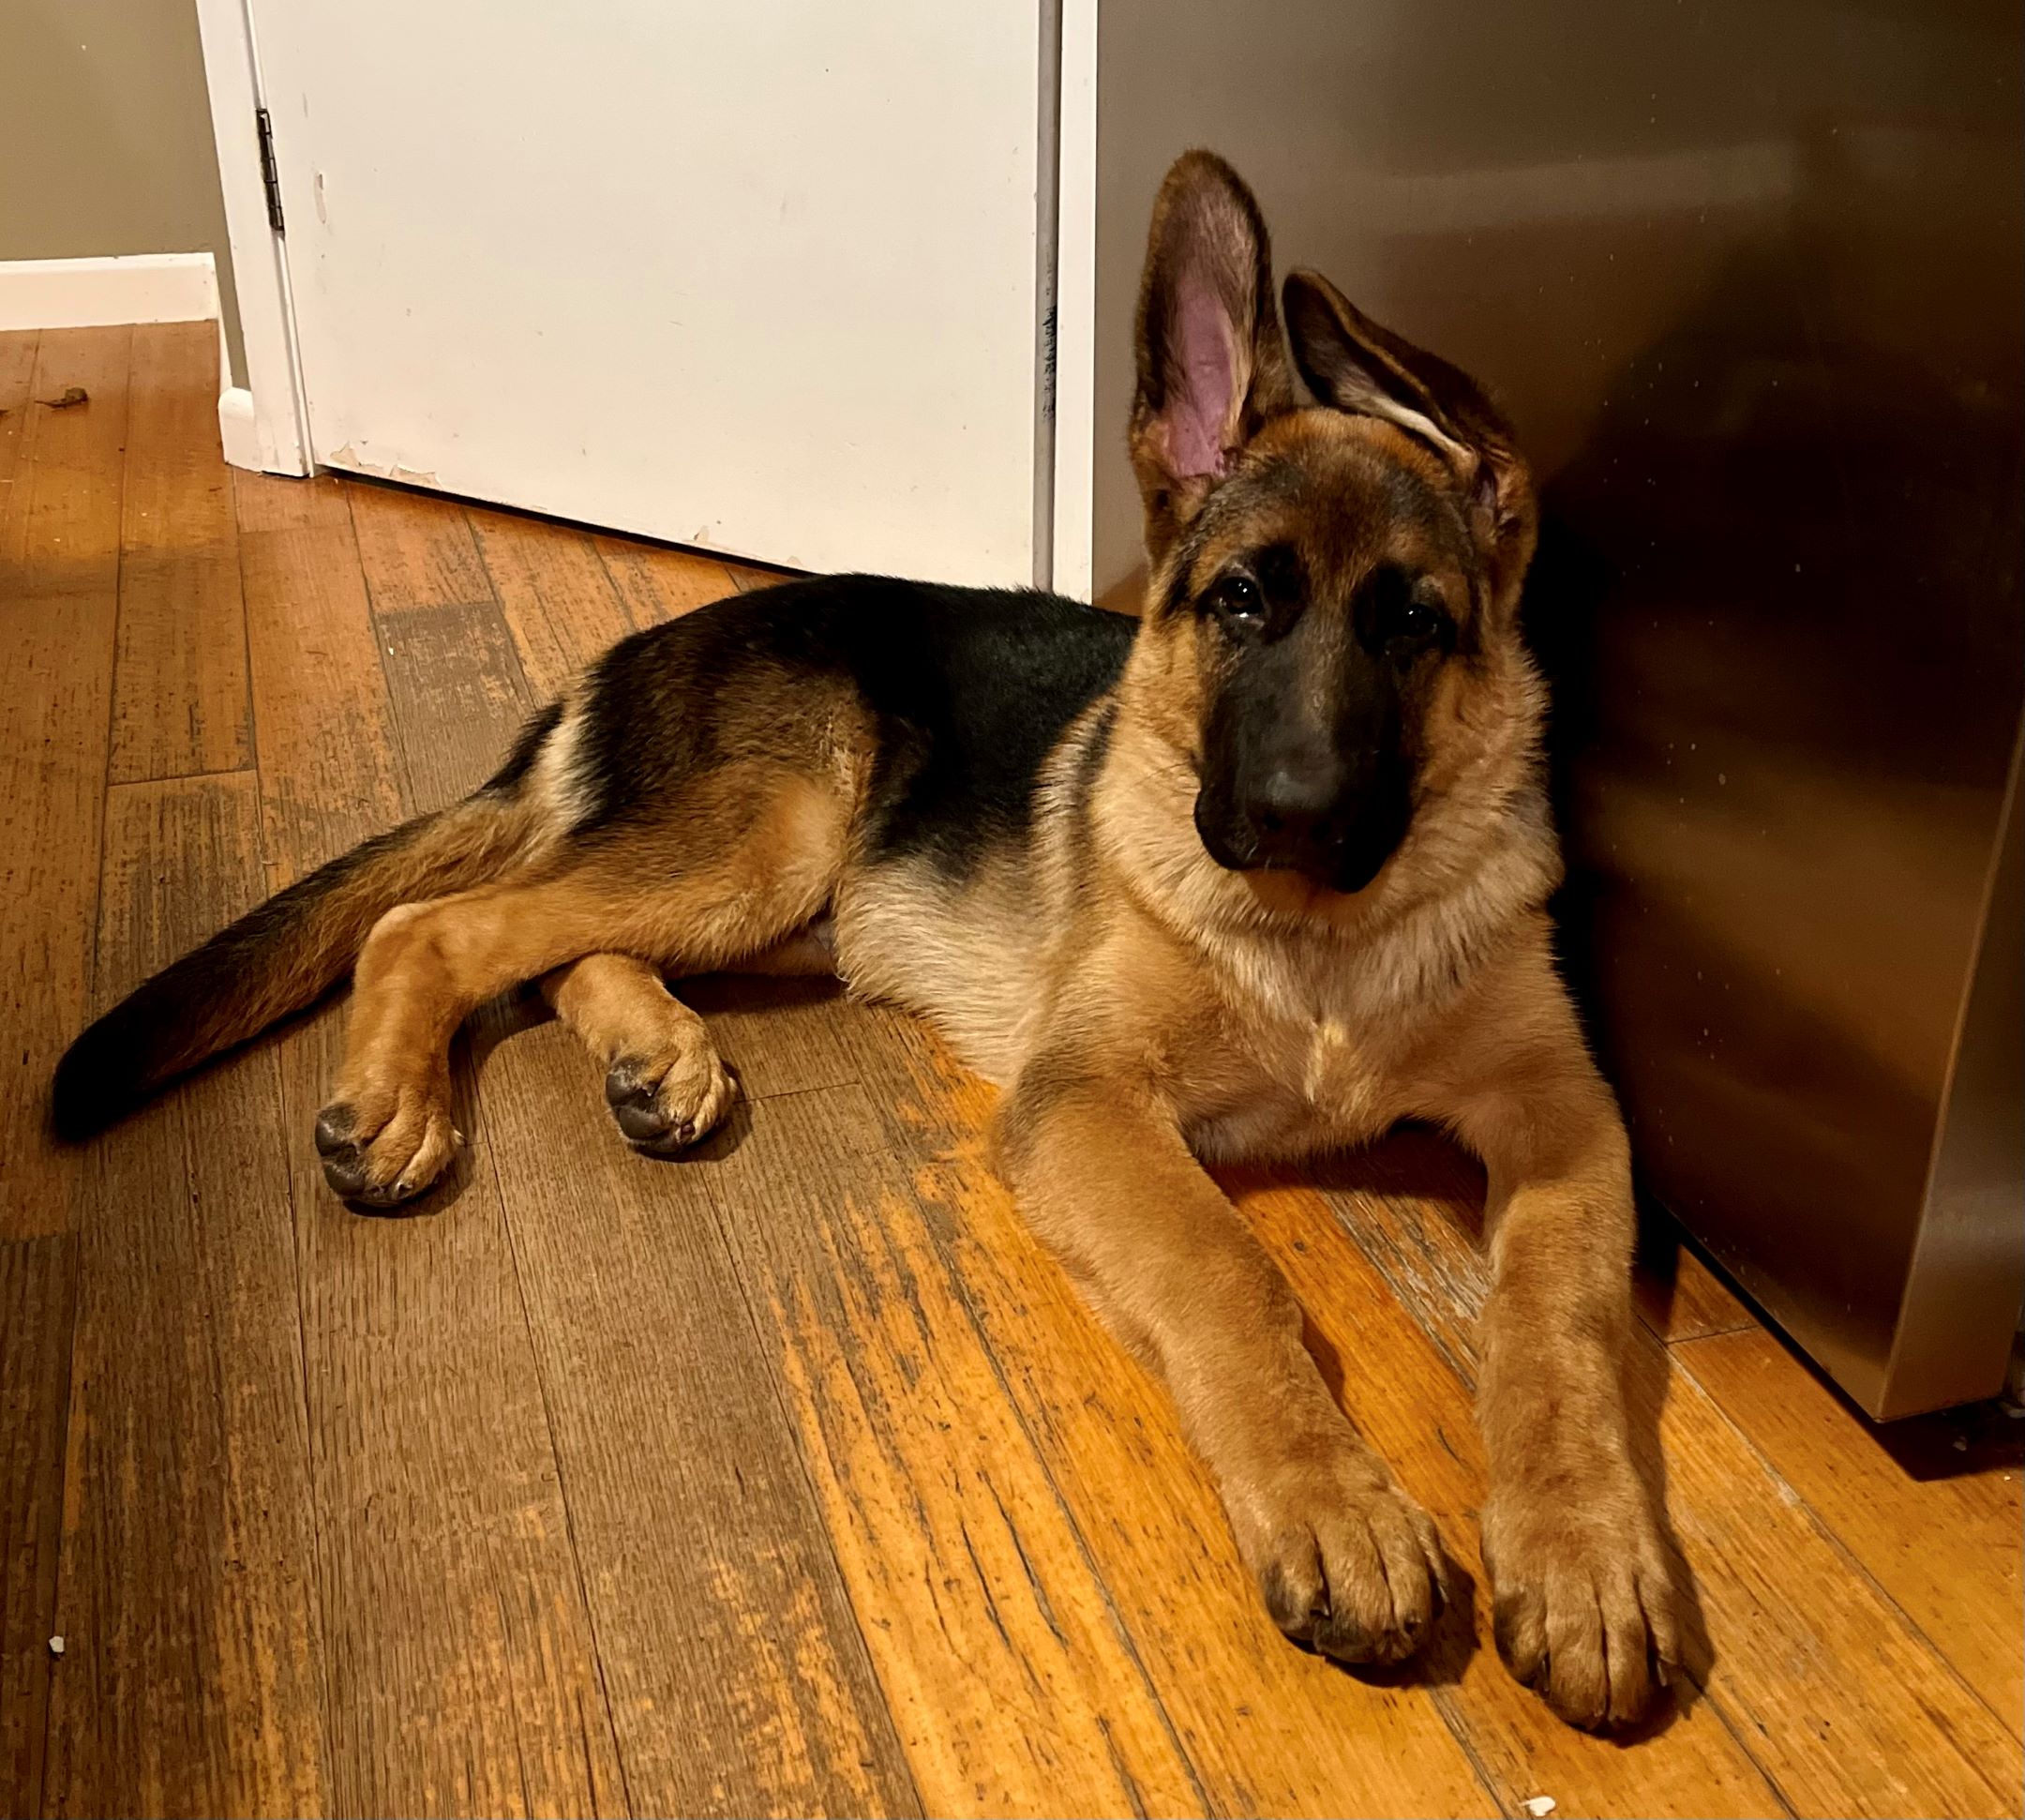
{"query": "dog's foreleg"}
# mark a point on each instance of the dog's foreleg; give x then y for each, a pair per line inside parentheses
(1582, 1598)
(1345, 1559)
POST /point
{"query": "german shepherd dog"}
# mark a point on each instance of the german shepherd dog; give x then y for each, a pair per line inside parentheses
(1255, 875)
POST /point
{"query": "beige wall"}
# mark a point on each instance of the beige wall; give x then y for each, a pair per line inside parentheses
(105, 135)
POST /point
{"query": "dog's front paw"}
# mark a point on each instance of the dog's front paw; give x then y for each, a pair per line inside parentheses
(1346, 1562)
(666, 1101)
(1582, 1600)
(385, 1146)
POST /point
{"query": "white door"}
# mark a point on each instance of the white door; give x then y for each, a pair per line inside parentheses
(763, 276)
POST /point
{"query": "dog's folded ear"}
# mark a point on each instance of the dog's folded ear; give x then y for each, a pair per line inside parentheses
(1355, 365)
(1211, 366)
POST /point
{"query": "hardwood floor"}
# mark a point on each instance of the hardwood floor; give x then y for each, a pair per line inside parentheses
(789, 1478)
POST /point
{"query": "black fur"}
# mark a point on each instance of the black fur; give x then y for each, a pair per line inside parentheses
(969, 687)
(526, 748)
(1096, 749)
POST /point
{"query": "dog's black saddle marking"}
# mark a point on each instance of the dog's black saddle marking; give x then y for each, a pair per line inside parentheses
(970, 688)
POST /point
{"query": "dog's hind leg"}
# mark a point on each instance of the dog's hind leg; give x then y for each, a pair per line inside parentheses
(664, 1080)
(690, 898)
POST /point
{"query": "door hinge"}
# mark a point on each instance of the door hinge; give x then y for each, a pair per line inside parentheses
(270, 175)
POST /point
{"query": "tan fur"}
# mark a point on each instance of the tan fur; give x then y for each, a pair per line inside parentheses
(753, 860)
(656, 1051)
(1146, 1008)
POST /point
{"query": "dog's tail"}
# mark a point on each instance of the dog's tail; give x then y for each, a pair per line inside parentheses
(284, 956)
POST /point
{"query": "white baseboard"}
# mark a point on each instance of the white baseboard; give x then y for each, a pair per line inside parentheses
(238, 428)
(97, 292)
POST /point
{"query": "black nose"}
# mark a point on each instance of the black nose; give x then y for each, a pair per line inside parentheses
(1322, 819)
(1291, 811)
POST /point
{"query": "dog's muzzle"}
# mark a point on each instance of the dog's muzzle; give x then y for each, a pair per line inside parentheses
(1286, 826)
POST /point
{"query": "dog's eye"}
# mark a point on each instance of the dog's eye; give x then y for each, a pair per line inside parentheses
(1411, 626)
(1417, 622)
(1237, 597)
(1402, 615)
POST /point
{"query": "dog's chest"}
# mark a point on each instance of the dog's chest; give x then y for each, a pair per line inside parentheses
(1313, 1064)
(968, 959)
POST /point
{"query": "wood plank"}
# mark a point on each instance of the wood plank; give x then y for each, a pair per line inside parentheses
(1838, 1699)
(178, 491)
(415, 547)
(1415, 1203)
(719, 1611)
(329, 769)
(272, 501)
(59, 565)
(37, 1299)
(180, 704)
(658, 582)
(764, 1030)
(17, 379)
(555, 592)
(1848, 1710)
(1939, 1529)
(458, 1652)
(458, 697)
(1420, 1188)
(751, 575)
(1266, 1727)
(1014, 1687)
(1679, 1294)
(190, 1681)
(70, 538)
(182, 859)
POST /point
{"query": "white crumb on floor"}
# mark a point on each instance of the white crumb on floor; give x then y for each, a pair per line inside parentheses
(55, 1645)
(1539, 1805)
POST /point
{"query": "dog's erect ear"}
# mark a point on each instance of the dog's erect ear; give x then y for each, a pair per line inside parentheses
(1211, 366)
(1352, 363)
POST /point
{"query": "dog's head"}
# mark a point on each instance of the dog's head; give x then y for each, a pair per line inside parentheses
(1332, 605)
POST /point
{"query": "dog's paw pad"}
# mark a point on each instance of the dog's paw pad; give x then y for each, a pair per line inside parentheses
(379, 1165)
(663, 1109)
(334, 1128)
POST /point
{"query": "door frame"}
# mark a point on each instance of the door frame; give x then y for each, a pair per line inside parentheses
(262, 420)
(1064, 540)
